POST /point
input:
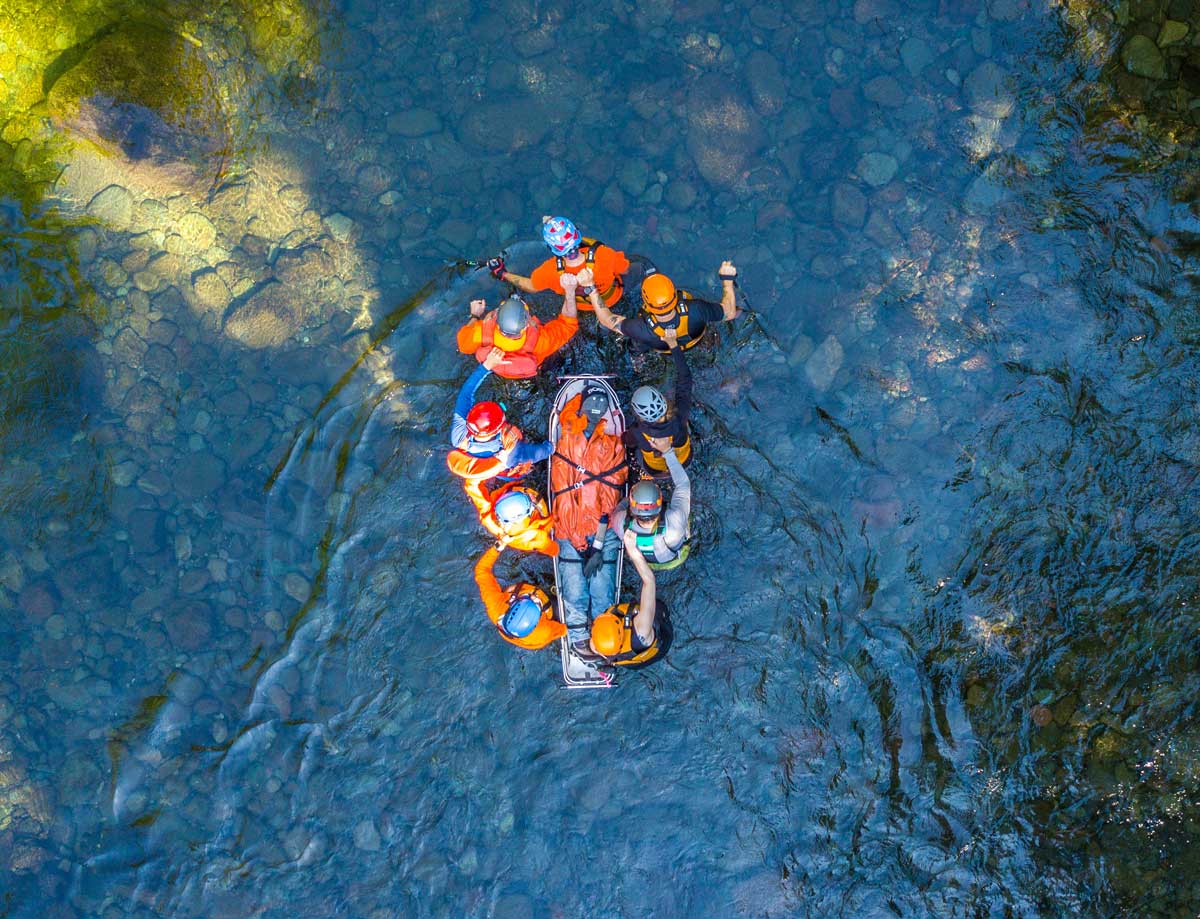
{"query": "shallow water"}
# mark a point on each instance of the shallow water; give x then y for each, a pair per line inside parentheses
(935, 646)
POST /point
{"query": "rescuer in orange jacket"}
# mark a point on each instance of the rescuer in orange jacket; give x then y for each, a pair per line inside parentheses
(525, 340)
(517, 512)
(522, 613)
(572, 254)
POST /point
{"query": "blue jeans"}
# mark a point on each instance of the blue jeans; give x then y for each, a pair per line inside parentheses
(586, 598)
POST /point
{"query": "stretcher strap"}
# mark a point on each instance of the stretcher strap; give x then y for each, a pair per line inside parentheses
(589, 476)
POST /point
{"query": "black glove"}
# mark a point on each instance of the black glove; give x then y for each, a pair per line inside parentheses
(593, 561)
(496, 267)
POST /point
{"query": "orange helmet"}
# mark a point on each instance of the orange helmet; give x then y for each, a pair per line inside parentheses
(608, 634)
(659, 294)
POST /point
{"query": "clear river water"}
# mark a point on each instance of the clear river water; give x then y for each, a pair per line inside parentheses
(936, 645)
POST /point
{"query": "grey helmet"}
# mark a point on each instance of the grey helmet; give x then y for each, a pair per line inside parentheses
(595, 404)
(512, 317)
(649, 404)
(645, 500)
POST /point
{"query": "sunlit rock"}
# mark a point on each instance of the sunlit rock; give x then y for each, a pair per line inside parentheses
(265, 319)
(768, 88)
(112, 206)
(147, 95)
(987, 91)
(1171, 32)
(1142, 58)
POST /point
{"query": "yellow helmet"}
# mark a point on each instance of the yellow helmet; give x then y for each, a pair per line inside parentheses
(659, 294)
(608, 634)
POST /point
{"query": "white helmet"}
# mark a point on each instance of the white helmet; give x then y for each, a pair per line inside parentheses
(649, 404)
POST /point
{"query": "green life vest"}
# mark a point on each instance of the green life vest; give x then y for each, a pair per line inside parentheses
(645, 544)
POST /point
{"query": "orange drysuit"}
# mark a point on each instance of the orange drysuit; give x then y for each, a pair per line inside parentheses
(533, 536)
(587, 475)
(541, 339)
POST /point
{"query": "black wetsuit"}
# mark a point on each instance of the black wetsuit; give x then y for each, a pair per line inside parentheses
(642, 336)
(674, 426)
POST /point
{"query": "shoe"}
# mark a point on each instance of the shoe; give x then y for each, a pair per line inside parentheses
(582, 649)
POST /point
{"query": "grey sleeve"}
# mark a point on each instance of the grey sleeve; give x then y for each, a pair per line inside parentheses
(616, 522)
(680, 510)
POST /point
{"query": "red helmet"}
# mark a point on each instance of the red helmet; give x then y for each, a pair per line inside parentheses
(485, 420)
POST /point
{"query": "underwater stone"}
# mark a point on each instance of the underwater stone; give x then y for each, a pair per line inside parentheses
(916, 55)
(198, 475)
(1142, 58)
(210, 290)
(633, 176)
(504, 127)
(113, 206)
(266, 319)
(146, 96)
(986, 91)
(723, 130)
(877, 169)
(339, 226)
(849, 205)
(768, 88)
(197, 230)
(366, 837)
(414, 122)
(824, 363)
(1171, 32)
(886, 91)
(681, 194)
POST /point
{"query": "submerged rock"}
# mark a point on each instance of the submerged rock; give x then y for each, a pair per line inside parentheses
(144, 94)
(987, 92)
(265, 319)
(504, 127)
(1142, 58)
(723, 130)
(824, 363)
(768, 87)
(112, 206)
(877, 169)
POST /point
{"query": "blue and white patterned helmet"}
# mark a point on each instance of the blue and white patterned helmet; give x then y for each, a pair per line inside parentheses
(560, 235)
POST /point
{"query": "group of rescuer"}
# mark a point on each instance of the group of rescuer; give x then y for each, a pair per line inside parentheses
(588, 468)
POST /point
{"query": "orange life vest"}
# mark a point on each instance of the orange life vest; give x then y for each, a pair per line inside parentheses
(480, 468)
(627, 657)
(685, 338)
(516, 365)
(608, 295)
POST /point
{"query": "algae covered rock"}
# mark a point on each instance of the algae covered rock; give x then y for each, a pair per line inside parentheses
(1142, 58)
(145, 93)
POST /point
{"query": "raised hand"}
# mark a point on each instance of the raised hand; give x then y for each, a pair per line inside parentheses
(495, 356)
(660, 444)
(478, 307)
